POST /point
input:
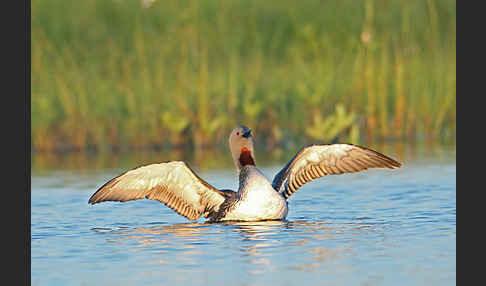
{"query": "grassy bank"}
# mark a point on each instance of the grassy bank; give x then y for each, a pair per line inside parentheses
(113, 74)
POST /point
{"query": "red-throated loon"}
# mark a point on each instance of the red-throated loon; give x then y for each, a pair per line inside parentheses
(178, 187)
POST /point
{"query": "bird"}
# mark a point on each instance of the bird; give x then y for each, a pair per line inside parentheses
(176, 185)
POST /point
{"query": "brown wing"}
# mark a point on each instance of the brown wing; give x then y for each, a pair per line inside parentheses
(172, 183)
(317, 161)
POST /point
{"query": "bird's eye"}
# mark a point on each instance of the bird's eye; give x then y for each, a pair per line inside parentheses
(237, 133)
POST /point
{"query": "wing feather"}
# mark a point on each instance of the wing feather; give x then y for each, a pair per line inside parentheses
(172, 183)
(316, 161)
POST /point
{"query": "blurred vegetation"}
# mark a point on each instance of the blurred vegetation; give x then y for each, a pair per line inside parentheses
(113, 74)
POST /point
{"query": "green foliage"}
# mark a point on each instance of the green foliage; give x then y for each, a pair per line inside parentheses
(121, 74)
(330, 127)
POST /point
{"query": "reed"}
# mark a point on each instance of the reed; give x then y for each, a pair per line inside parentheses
(123, 74)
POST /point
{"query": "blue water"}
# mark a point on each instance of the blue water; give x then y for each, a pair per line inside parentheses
(377, 227)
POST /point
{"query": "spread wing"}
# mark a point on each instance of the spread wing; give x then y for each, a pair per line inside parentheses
(172, 183)
(317, 161)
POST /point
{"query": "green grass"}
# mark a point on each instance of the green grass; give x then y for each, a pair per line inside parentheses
(112, 74)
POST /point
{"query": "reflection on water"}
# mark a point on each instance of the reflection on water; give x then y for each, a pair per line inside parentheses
(208, 159)
(254, 238)
(247, 231)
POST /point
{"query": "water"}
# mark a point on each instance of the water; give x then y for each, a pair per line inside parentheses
(377, 227)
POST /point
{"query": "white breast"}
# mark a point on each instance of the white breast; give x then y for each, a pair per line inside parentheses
(257, 199)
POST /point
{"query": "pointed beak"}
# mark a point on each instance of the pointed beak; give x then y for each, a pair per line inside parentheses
(247, 133)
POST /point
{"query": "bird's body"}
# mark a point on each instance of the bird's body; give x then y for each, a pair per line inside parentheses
(256, 199)
(177, 186)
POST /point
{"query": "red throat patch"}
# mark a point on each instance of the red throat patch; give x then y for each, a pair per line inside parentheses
(246, 158)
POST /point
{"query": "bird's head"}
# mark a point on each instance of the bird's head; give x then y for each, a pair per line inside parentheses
(241, 146)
